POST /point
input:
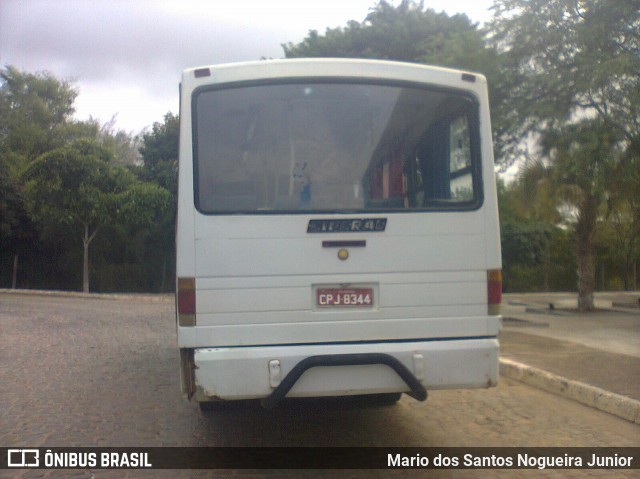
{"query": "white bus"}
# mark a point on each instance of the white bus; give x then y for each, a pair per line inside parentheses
(337, 231)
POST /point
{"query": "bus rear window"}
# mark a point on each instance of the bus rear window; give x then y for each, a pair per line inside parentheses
(334, 147)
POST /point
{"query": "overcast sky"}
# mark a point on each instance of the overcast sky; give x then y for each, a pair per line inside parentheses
(126, 56)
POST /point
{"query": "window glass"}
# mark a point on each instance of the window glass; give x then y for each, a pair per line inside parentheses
(460, 160)
(333, 147)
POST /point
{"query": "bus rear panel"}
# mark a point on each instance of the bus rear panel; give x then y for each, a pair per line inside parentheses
(337, 231)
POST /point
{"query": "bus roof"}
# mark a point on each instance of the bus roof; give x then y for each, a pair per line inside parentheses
(333, 67)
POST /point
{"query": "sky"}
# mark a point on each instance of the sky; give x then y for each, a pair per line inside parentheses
(126, 56)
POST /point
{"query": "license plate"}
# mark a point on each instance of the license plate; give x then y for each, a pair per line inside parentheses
(344, 297)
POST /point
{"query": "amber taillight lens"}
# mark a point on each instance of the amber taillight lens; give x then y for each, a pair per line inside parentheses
(494, 291)
(186, 301)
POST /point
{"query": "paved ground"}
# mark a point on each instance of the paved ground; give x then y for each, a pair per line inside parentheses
(103, 372)
(600, 349)
(613, 330)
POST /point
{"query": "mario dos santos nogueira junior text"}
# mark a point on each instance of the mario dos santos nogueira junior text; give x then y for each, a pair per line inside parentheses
(511, 461)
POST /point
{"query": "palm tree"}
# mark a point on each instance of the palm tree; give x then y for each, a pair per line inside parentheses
(569, 184)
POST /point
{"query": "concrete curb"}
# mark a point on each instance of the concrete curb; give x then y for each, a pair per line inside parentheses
(616, 404)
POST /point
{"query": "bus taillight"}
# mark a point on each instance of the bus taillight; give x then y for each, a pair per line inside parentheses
(186, 301)
(494, 291)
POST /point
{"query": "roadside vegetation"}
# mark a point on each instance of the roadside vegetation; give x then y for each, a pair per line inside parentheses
(85, 206)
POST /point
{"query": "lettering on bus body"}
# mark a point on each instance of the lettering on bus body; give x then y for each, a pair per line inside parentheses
(352, 225)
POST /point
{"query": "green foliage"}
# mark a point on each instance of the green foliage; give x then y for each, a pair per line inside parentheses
(388, 32)
(63, 181)
(15, 225)
(619, 240)
(404, 33)
(36, 110)
(559, 274)
(36, 118)
(567, 61)
(79, 186)
(525, 243)
(537, 254)
(574, 87)
(123, 144)
(143, 204)
(159, 153)
(74, 185)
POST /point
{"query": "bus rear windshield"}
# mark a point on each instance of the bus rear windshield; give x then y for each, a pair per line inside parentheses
(333, 147)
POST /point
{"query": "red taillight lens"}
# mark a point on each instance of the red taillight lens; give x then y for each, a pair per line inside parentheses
(494, 291)
(186, 301)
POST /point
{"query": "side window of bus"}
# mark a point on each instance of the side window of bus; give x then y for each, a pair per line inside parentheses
(461, 180)
(442, 170)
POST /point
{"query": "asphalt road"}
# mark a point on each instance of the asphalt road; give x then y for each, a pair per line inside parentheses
(104, 372)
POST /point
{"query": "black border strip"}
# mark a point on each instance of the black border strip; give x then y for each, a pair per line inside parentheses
(536, 458)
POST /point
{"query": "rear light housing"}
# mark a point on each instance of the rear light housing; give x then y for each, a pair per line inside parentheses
(494, 291)
(186, 299)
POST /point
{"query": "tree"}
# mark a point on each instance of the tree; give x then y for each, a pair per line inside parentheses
(36, 118)
(159, 153)
(574, 88)
(408, 33)
(124, 145)
(16, 229)
(60, 177)
(36, 111)
(624, 215)
(78, 186)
